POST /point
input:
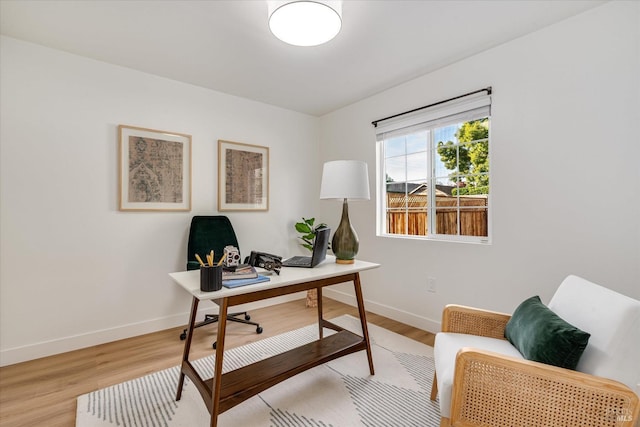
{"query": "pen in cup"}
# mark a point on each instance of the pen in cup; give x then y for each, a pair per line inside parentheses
(222, 259)
(200, 260)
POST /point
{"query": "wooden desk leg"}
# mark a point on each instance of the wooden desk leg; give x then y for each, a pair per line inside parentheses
(363, 319)
(217, 372)
(320, 333)
(187, 344)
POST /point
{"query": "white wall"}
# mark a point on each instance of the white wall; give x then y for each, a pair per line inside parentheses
(75, 271)
(565, 174)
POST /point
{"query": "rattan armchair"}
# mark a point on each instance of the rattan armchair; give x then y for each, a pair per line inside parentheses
(488, 388)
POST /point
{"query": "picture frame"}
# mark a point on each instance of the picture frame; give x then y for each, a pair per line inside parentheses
(243, 177)
(155, 170)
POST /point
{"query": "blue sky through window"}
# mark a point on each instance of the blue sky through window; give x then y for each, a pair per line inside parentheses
(406, 156)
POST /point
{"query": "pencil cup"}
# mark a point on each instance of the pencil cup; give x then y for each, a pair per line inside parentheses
(210, 278)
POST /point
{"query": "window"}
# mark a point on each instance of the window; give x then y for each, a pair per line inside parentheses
(433, 179)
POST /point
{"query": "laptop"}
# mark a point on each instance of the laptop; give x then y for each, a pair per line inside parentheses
(319, 252)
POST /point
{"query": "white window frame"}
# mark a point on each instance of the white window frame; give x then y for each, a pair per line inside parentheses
(461, 110)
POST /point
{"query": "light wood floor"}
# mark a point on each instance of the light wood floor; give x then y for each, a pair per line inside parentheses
(43, 392)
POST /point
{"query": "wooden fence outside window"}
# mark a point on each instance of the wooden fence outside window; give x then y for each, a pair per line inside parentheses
(412, 210)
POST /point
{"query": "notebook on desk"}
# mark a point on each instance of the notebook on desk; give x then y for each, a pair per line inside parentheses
(319, 252)
(234, 283)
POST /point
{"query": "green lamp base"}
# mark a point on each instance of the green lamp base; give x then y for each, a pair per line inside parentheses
(345, 243)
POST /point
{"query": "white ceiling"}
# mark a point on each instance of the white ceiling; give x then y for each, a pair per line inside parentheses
(226, 45)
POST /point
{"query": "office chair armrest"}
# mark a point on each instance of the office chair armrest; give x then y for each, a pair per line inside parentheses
(193, 265)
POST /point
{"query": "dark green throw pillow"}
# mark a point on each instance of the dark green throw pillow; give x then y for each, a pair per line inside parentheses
(542, 336)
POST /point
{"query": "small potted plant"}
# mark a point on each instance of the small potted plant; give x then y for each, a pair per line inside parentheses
(307, 229)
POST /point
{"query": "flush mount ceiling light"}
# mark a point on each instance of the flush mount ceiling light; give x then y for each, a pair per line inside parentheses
(305, 23)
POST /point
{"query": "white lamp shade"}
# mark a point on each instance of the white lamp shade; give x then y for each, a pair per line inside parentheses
(305, 22)
(345, 179)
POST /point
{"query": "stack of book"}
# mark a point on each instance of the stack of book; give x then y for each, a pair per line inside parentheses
(241, 275)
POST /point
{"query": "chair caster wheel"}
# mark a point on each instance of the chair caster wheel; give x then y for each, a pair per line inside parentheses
(183, 336)
(259, 330)
(247, 317)
(214, 345)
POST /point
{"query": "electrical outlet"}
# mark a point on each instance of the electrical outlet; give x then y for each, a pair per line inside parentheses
(431, 284)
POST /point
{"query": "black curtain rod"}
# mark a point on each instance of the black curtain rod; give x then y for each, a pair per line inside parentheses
(486, 89)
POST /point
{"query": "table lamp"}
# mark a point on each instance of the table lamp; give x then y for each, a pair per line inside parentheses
(346, 180)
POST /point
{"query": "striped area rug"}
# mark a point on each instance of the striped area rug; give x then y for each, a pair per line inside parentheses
(340, 393)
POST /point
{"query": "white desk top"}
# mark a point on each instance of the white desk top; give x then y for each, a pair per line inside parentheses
(190, 280)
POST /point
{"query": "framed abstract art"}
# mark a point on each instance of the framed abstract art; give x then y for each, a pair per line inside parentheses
(155, 170)
(243, 177)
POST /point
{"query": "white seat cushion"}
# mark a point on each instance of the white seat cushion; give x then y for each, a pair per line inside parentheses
(446, 348)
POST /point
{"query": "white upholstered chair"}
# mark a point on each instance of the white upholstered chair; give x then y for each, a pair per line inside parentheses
(483, 380)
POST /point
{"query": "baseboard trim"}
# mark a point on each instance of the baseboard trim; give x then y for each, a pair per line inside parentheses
(386, 311)
(62, 345)
(75, 342)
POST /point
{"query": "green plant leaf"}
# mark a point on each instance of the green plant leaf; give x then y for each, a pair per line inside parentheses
(302, 227)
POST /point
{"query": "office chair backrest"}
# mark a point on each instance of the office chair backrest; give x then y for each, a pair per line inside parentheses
(207, 233)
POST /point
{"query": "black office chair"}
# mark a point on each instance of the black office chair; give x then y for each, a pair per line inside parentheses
(212, 233)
